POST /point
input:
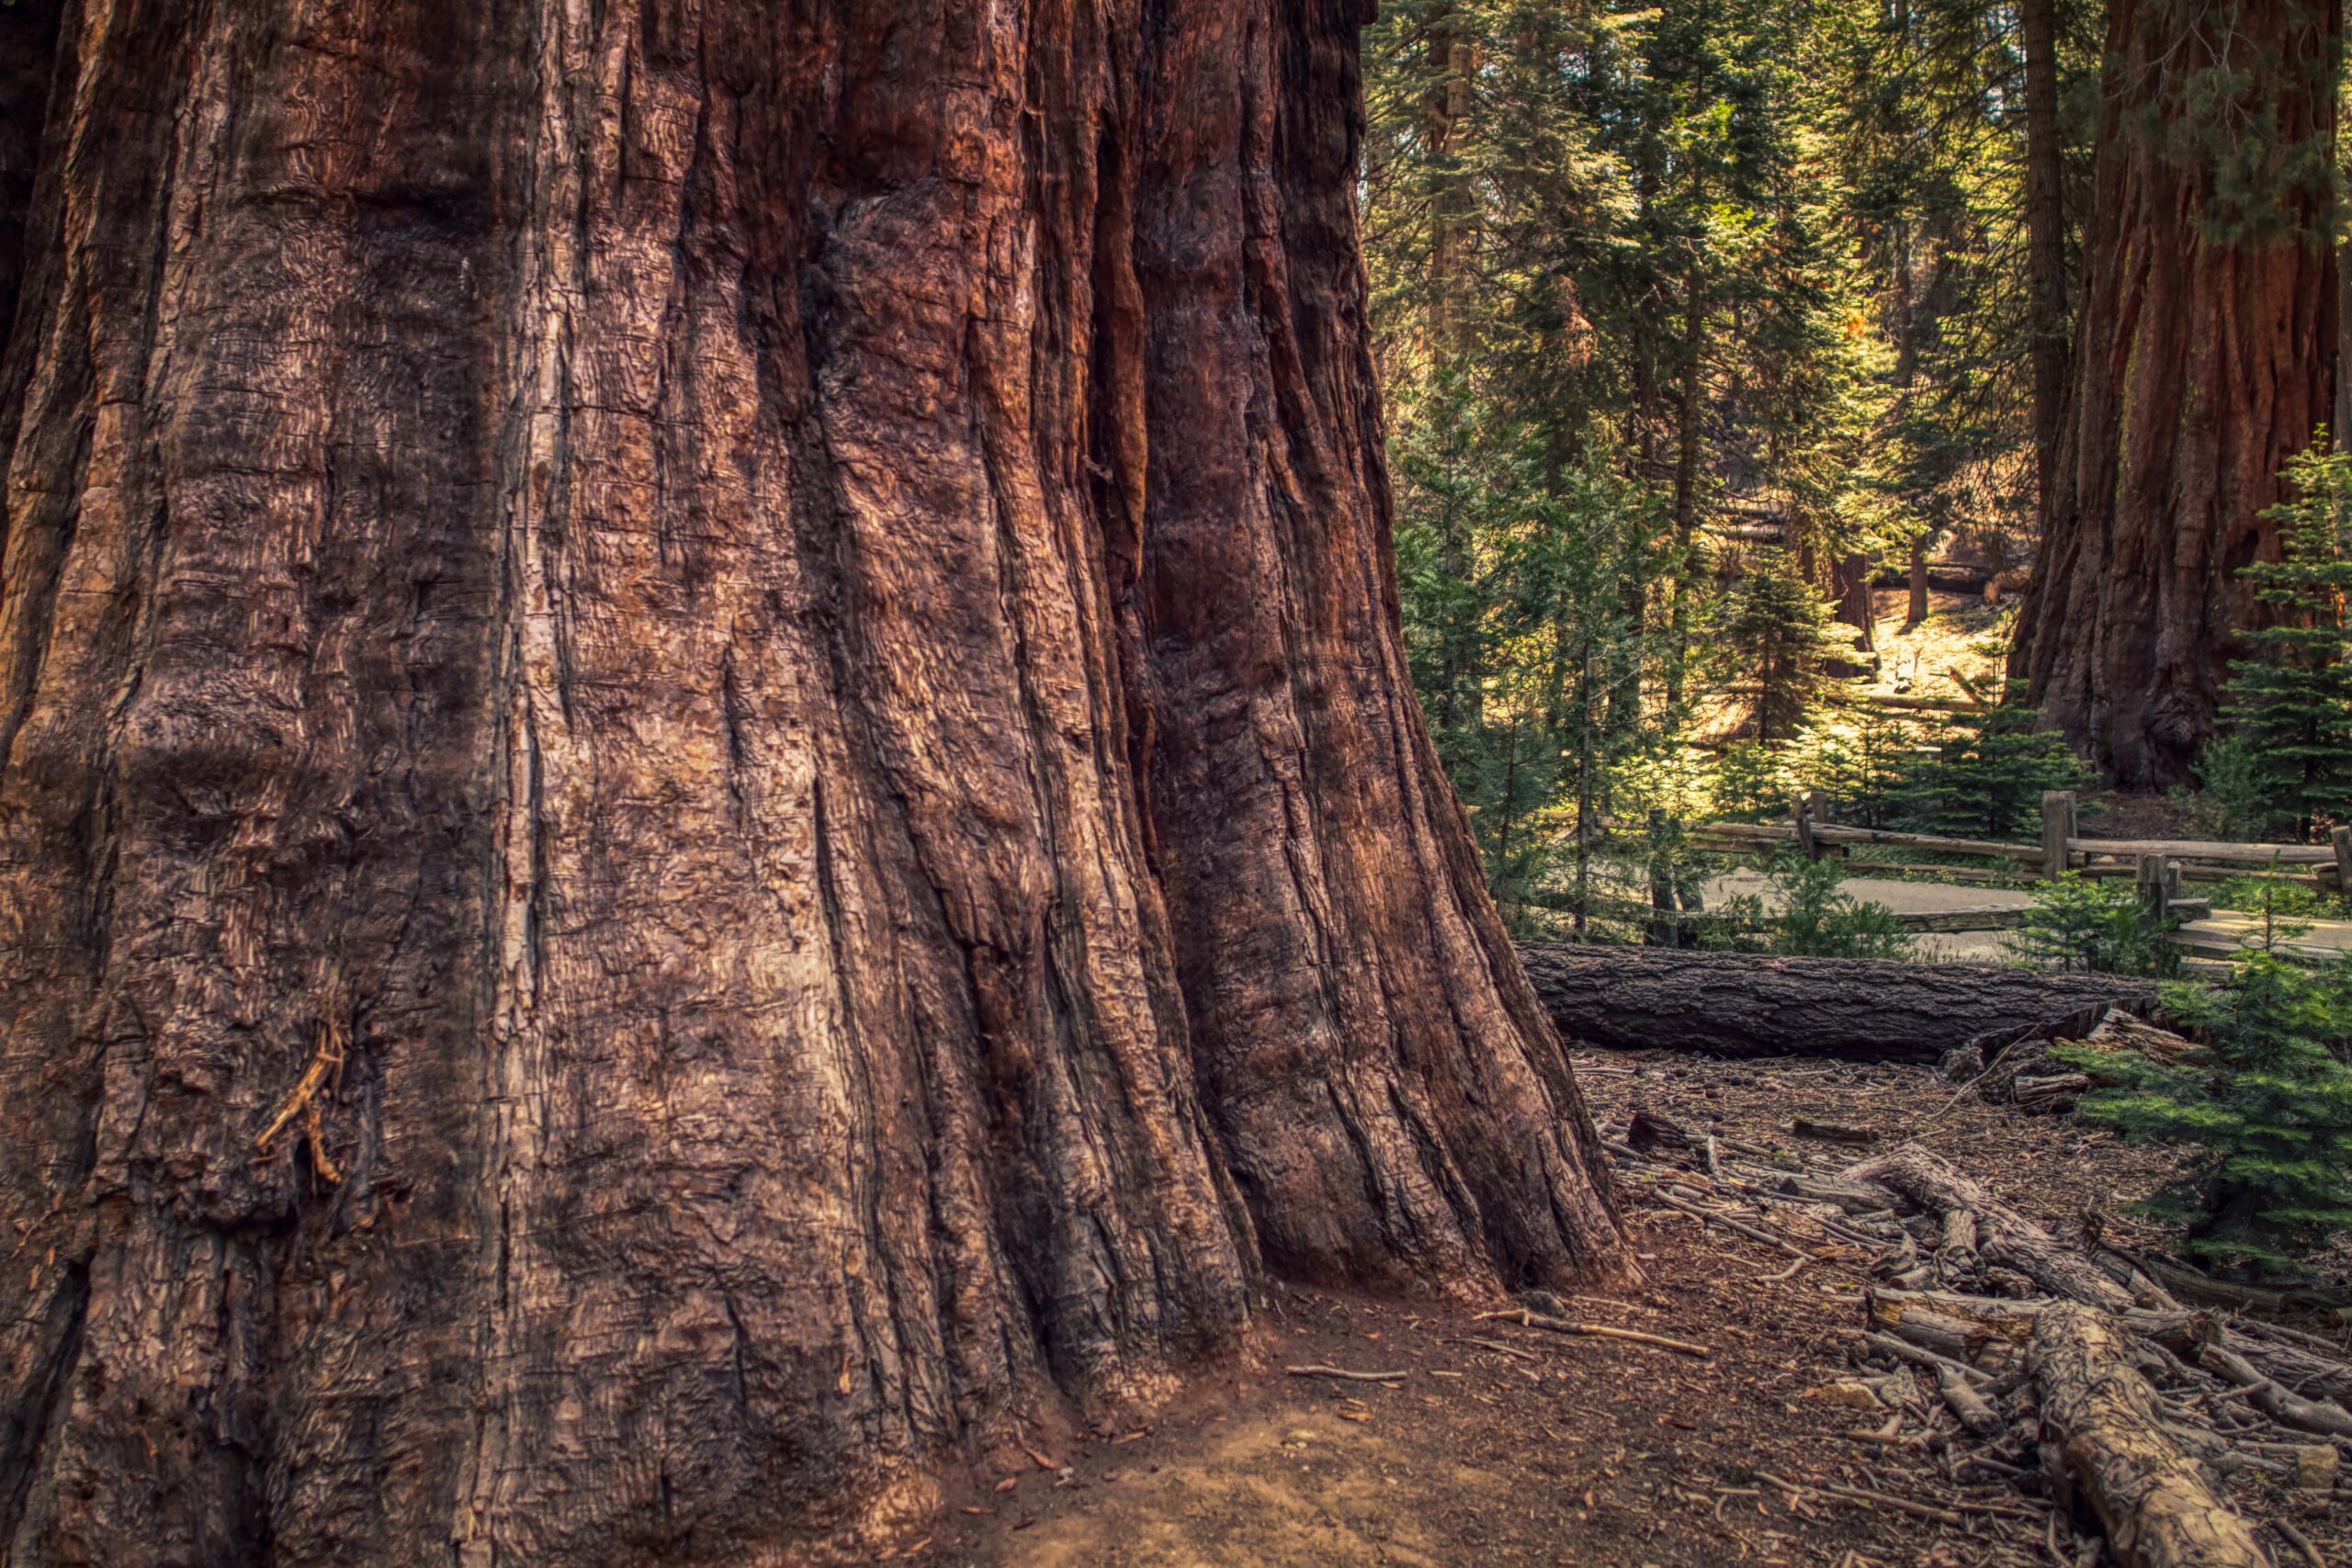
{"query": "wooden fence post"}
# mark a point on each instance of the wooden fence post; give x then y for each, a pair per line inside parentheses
(1801, 814)
(2159, 881)
(2057, 827)
(2341, 840)
(1666, 929)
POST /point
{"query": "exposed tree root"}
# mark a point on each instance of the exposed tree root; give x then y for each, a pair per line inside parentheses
(2138, 1407)
(2101, 1416)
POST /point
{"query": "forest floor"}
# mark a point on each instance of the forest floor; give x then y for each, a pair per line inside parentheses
(1960, 651)
(1503, 1445)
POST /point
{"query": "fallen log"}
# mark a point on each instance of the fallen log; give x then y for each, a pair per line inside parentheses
(2003, 1235)
(2102, 1416)
(2279, 1404)
(1923, 1317)
(1741, 1005)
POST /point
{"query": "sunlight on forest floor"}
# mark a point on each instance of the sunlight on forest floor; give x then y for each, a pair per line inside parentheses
(1960, 651)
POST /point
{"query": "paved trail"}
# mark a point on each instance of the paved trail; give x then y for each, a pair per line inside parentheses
(1906, 897)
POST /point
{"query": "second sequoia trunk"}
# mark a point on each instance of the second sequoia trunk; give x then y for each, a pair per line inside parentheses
(2203, 359)
(742, 658)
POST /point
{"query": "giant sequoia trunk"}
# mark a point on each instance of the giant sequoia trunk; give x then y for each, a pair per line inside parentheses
(2204, 354)
(741, 658)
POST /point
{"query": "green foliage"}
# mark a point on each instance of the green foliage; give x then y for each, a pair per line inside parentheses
(1775, 631)
(2266, 1100)
(2080, 923)
(2286, 910)
(1988, 776)
(1808, 915)
(1649, 282)
(2235, 798)
(1863, 763)
(1751, 783)
(1522, 593)
(2227, 92)
(2289, 701)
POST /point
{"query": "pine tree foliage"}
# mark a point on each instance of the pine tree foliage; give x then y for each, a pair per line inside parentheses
(2289, 701)
(1989, 773)
(1524, 630)
(1686, 314)
(1806, 913)
(1863, 762)
(2267, 1102)
(2087, 925)
(1776, 634)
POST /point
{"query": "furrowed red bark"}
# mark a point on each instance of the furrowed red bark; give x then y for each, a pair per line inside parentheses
(768, 632)
(2203, 359)
(2046, 215)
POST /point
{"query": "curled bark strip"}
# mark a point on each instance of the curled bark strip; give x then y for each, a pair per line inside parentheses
(2153, 1498)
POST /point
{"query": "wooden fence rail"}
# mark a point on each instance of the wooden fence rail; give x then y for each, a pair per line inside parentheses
(2062, 847)
(2160, 866)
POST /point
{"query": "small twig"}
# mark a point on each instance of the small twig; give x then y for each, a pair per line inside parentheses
(1948, 1514)
(1923, 1356)
(2300, 1542)
(1501, 1348)
(1527, 1319)
(1343, 1374)
(1885, 1439)
(1958, 1095)
(1755, 1233)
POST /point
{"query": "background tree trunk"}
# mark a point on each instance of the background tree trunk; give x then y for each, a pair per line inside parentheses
(770, 630)
(2204, 359)
(1849, 581)
(2046, 215)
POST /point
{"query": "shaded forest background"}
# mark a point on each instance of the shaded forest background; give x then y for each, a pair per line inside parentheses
(1698, 320)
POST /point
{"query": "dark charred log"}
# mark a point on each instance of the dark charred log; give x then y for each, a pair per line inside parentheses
(1860, 1010)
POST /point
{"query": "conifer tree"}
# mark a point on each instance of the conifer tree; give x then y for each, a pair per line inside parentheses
(2290, 699)
(2266, 1101)
(1777, 631)
(1989, 774)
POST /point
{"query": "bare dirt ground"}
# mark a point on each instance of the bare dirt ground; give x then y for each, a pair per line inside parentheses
(1504, 1445)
